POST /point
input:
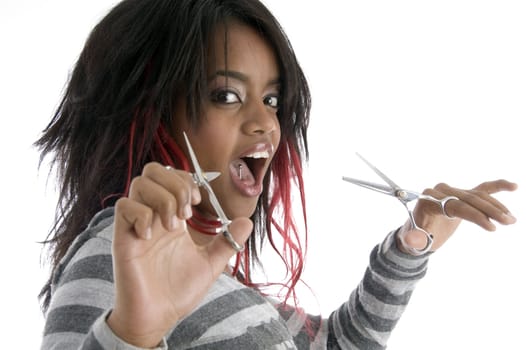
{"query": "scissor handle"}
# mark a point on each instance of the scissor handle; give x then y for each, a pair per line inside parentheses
(414, 226)
(225, 221)
(442, 202)
(237, 247)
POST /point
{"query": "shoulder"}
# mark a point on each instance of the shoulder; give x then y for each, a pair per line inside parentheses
(82, 286)
(89, 256)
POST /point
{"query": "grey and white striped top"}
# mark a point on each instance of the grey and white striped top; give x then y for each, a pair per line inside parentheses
(231, 316)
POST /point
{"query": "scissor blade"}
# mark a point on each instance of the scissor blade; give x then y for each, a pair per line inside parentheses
(379, 173)
(203, 179)
(371, 185)
(215, 204)
(211, 175)
(208, 175)
(195, 163)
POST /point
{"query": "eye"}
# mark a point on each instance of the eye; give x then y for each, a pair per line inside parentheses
(224, 96)
(272, 101)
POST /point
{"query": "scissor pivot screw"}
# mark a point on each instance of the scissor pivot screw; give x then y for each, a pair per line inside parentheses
(402, 194)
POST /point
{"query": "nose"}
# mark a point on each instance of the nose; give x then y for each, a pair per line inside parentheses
(260, 119)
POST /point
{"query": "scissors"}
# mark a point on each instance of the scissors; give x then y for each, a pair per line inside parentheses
(202, 179)
(404, 196)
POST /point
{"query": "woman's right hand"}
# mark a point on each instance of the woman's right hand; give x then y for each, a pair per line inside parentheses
(160, 274)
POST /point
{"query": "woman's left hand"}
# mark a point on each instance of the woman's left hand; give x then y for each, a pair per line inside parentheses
(476, 205)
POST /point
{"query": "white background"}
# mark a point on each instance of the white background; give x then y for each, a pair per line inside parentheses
(427, 91)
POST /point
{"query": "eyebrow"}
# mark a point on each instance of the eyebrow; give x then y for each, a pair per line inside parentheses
(239, 76)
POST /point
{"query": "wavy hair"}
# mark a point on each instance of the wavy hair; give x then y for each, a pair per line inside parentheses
(114, 115)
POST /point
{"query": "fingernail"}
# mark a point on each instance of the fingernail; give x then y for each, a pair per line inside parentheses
(148, 234)
(175, 222)
(510, 216)
(196, 196)
(188, 212)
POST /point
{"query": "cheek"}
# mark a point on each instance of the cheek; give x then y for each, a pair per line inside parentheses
(215, 149)
(214, 141)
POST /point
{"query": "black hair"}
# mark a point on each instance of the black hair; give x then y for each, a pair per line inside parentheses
(137, 61)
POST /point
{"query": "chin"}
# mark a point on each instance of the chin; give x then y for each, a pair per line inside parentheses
(245, 209)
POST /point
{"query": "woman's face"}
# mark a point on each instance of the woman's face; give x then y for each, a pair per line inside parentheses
(239, 132)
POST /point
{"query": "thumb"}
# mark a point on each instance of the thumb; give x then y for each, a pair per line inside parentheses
(220, 250)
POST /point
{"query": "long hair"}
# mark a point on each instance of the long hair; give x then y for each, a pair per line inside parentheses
(120, 100)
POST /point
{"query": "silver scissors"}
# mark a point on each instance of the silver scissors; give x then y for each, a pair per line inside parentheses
(202, 179)
(404, 196)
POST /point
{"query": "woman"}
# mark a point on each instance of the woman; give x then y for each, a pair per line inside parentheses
(136, 262)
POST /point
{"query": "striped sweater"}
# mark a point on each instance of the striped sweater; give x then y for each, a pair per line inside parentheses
(231, 316)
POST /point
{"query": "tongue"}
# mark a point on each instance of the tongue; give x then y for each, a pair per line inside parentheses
(241, 172)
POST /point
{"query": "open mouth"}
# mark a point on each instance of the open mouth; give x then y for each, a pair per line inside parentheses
(247, 172)
(250, 168)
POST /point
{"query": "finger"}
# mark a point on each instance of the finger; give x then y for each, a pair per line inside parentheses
(461, 208)
(179, 183)
(495, 210)
(412, 238)
(480, 197)
(220, 250)
(159, 199)
(475, 206)
(186, 177)
(133, 216)
(492, 187)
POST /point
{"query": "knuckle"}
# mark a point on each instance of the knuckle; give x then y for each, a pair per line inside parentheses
(188, 178)
(121, 204)
(136, 183)
(427, 191)
(150, 168)
(470, 196)
(442, 187)
(478, 194)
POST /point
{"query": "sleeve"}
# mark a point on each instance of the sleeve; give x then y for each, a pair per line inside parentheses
(82, 297)
(367, 318)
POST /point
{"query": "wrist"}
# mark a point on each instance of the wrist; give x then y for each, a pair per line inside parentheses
(134, 336)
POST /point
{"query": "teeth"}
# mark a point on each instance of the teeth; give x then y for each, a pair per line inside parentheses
(258, 155)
